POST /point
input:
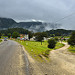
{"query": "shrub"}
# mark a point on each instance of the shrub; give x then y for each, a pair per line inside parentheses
(15, 35)
(9, 35)
(71, 40)
(0, 35)
(51, 43)
(64, 39)
(56, 39)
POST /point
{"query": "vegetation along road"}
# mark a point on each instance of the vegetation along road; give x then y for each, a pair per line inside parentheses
(13, 61)
(61, 62)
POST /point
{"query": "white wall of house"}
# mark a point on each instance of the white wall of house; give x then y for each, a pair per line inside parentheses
(26, 36)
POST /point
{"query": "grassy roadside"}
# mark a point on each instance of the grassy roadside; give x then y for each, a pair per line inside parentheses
(72, 49)
(35, 49)
(2, 37)
(0, 40)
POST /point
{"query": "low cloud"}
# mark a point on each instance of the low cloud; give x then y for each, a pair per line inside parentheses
(45, 10)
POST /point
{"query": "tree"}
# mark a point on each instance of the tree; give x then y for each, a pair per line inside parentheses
(58, 34)
(9, 34)
(15, 35)
(56, 39)
(30, 35)
(71, 40)
(52, 35)
(44, 34)
(39, 37)
(3, 34)
(0, 35)
(51, 43)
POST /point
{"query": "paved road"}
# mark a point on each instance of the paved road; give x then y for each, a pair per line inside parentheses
(11, 59)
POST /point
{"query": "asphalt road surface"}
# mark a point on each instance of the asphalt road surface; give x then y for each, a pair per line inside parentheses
(12, 61)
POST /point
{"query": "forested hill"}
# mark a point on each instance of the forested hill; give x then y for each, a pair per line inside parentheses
(35, 26)
(10, 23)
(11, 30)
(6, 22)
(59, 32)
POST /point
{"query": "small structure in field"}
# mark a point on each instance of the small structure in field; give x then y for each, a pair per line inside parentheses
(33, 38)
(26, 37)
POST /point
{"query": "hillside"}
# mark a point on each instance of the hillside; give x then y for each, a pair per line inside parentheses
(35, 26)
(59, 32)
(10, 23)
(6, 22)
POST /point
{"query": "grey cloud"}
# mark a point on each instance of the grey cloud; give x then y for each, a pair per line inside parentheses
(47, 10)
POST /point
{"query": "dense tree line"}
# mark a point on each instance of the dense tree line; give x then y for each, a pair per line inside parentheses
(52, 33)
(6, 22)
(59, 32)
(11, 30)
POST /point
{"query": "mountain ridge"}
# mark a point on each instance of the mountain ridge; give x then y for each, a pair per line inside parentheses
(35, 26)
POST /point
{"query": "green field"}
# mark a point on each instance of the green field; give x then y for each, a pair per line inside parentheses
(35, 49)
(72, 49)
(2, 37)
(0, 40)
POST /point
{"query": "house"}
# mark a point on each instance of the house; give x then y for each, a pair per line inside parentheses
(26, 37)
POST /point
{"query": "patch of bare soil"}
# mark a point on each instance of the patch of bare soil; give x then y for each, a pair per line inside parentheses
(61, 63)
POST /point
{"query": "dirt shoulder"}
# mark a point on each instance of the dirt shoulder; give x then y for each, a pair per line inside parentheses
(61, 63)
(34, 68)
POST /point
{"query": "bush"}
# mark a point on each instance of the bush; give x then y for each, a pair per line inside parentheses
(64, 39)
(0, 35)
(51, 43)
(71, 40)
(15, 35)
(56, 39)
(9, 35)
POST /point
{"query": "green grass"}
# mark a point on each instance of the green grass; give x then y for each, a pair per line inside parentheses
(2, 37)
(35, 49)
(59, 45)
(72, 49)
(0, 40)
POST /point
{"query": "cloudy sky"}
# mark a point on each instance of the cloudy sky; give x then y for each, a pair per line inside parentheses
(45, 10)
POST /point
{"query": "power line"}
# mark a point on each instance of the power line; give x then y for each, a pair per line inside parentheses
(65, 17)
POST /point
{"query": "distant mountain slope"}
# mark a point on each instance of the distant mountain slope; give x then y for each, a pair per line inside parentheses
(59, 32)
(6, 22)
(35, 26)
(10, 23)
